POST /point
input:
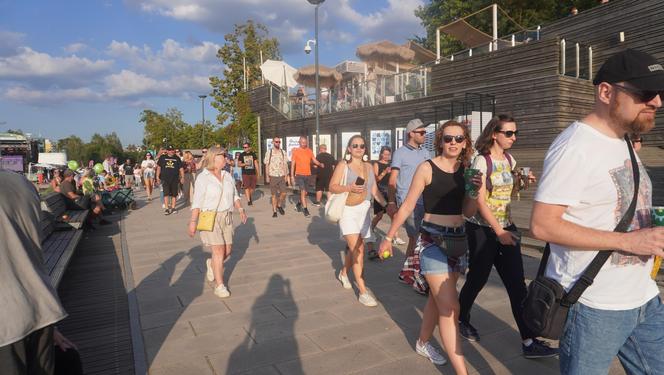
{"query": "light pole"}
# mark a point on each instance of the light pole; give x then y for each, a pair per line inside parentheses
(203, 115)
(317, 3)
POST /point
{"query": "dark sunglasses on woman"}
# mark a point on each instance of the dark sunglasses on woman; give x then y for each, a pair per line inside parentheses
(361, 147)
(457, 138)
(508, 133)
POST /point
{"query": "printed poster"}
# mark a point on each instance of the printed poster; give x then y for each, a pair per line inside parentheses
(291, 143)
(379, 138)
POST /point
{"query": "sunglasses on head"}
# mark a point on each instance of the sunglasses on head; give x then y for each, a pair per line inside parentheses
(508, 133)
(356, 145)
(643, 96)
(457, 138)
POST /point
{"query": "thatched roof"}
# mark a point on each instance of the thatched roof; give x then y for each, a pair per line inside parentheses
(328, 77)
(384, 52)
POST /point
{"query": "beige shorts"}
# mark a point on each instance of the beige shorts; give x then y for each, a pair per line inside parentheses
(222, 234)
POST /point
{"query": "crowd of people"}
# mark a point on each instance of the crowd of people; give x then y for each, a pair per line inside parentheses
(456, 210)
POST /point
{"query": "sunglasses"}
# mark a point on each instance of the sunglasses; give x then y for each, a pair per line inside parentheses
(457, 138)
(245, 146)
(360, 146)
(276, 142)
(508, 133)
(643, 96)
(420, 132)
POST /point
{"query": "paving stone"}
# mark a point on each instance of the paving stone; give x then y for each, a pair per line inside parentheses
(411, 364)
(341, 361)
(330, 338)
(191, 367)
(292, 326)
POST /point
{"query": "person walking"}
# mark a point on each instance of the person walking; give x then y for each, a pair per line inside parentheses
(148, 167)
(493, 237)
(137, 176)
(442, 244)
(170, 174)
(276, 162)
(30, 305)
(214, 190)
(249, 163)
(381, 170)
(128, 171)
(355, 176)
(585, 191)
(324, 174)
(189, 169)
(405, 161)
(302, 158)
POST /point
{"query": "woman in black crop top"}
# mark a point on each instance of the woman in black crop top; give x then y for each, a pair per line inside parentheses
(440, 181)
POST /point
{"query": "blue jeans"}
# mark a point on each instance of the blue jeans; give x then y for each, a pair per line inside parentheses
(592, 337)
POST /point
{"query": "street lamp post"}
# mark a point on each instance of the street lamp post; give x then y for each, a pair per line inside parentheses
(203, 115)
(317, 3)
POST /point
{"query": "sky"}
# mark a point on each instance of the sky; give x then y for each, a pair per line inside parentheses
(92, 66)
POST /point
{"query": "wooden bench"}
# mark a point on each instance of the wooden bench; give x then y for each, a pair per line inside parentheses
(58, 246)
(54, 204)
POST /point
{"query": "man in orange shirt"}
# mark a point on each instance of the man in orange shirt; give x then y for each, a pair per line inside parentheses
(301, 160)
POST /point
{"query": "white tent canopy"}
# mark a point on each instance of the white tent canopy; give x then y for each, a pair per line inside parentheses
(53, 158)
(279, 73)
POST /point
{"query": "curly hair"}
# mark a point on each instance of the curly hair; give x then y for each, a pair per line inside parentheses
(467, 152)
(485, 140)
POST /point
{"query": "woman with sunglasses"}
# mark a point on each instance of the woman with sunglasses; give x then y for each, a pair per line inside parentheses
(355, 222)
(442, 243)
(148, 166)
(214, 190)
(492, 235)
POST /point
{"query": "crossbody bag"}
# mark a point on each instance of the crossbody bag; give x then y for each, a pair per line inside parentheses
(206, 218)
(546, 305)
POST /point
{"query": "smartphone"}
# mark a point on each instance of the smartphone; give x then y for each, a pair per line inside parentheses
(359, 181)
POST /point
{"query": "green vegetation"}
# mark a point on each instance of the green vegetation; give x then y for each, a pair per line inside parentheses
(527, 13)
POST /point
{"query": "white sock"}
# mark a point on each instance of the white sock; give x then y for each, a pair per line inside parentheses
(528, 342)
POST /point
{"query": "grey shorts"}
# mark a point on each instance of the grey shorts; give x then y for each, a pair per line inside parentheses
(302, 182)
(414, 220)
(277, 185)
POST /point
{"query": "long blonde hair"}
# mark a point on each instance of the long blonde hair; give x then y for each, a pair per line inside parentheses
(208, 159)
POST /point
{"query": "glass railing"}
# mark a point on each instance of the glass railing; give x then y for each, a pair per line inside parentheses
(354, 94)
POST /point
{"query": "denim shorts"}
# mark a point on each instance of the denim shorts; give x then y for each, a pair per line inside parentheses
(432, 258)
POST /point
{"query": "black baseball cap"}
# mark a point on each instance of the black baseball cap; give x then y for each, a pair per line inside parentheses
(169, 148)
(638, 68)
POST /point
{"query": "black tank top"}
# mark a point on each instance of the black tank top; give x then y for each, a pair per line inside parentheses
(383, 181)
(445, 194)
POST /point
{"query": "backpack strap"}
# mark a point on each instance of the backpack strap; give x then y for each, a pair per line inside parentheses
(489, 168)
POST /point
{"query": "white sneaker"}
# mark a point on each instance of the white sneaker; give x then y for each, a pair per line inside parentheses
(209, 274)
(367, 300)
(428, 351)
(398, 241)
(344, 281)
(221, 291)
(163, 206)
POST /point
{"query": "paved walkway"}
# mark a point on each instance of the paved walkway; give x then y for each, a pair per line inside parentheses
(288, 314)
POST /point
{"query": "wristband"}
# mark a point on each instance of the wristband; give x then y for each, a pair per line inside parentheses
(387, 238)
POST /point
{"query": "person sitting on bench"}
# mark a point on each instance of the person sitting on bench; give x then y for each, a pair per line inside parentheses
(76, 201)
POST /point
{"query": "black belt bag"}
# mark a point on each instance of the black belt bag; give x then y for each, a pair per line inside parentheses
(453, 245)
(546, 305)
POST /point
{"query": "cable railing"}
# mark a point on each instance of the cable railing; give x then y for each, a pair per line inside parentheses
(512, 40)
(576, 60)
(355, 93)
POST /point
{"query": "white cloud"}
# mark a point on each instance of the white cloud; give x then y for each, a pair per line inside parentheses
(395, 22)
(43, 68)
(10, 42)
(129, 84)
(50, 96)
(75, 47)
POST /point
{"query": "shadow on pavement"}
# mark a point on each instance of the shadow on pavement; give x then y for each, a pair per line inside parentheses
(242, 235)
(250, 354)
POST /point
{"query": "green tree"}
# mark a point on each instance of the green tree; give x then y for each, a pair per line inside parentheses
(73, 146)
(527, 13)
(161, 129)
(241, 48)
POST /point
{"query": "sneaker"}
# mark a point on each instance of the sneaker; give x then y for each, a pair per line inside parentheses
(274, 214)
(221, 291)
(344, 281)
(174, 210)
(281, 210)
(298, 207)
(163, 206)
(167, 211)
(209, 275)
(398, 241)
(538, 349)
(317, 204)
(367, 300)
(426, 350)
(469, 332)
(407, 280)
(306, 212)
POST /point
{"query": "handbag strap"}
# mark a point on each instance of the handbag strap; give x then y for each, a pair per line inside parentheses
(596, 265)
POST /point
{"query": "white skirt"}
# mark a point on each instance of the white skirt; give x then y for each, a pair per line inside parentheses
(356, 220)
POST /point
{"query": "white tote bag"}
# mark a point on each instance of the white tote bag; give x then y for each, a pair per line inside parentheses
(334, 207)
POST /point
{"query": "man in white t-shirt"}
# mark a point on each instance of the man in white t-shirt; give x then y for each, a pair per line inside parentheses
(586, 188)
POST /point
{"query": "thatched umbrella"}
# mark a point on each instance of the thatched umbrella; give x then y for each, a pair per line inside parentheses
(328, 77)
(383, 52)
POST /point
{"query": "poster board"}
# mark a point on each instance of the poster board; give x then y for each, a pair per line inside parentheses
(325, 139)
(379, 138)
(291, 143)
